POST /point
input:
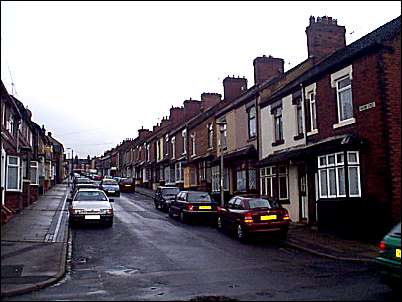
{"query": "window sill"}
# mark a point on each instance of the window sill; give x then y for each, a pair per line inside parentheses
(344, 123)
(277, 143)
(312, 132)
(299, 136)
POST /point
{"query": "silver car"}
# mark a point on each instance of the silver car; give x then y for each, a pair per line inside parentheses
(90, 206)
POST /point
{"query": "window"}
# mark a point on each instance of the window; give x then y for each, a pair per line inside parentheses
(193, 144)
(278, 124)
(299, 118)
(34, 173)
(173, 140)
(344, 98)
(332, 178)
(193, 176)
(216, 180)
(202, 171)
(251, 123)
(14, 172)
(167, 145)
(184, 135)
(10, 126)
(252, 179)
(210, 135)
(312, 110)
(241, 181)
(274, 182)
(223, 132)
(179, 172)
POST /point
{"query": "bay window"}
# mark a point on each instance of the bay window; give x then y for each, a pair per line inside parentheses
(34, 173)
(14, 173)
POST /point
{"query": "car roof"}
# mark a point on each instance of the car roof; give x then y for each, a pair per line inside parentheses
(196, 192)
(91, 190)
(167, 187)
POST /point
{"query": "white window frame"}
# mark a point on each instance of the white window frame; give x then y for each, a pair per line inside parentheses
(10, 124)
(19, 174)
(252, 119)
(299, 118)
(278, 127)
(193, 144)
(34, 165)
(173, 141)
(167, 145)
(179, 171)
(309, 91)
(184, 135)
(265, 174)
(337, 165)
(210, 128)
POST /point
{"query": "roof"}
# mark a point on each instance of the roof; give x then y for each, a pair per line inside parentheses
(370, 41)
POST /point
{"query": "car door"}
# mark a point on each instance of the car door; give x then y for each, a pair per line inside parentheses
(225, 212)
(233, 213)
(174, 205)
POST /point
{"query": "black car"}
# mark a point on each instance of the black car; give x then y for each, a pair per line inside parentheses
(164, 196)
(189, 205)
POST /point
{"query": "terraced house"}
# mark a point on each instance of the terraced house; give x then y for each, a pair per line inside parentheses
(31, 161)
(322, 138)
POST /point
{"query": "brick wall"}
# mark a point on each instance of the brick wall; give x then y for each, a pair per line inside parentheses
(201, 138)
(13, 200)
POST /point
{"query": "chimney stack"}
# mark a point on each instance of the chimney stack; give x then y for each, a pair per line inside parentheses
(191, 108)
(142, 133)
(266, 68)
(176, 115)
(209, 99)
(233, 87)
(324, 37)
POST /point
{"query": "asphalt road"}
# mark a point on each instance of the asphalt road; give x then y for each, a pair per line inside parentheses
(148, 256)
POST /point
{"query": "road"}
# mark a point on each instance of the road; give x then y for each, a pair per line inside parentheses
(148, 256)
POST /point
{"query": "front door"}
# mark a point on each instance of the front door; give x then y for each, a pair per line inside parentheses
(303, 203)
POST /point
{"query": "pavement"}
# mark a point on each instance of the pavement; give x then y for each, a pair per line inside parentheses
(34, 244)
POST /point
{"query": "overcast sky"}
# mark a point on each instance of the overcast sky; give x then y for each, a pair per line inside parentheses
(95, 72)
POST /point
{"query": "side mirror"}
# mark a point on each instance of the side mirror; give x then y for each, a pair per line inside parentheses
(111, 200)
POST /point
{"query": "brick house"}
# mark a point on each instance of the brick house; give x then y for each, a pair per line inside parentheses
(347, 168)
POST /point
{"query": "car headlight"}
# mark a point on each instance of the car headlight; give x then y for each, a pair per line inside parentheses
(78, 211)
(106, 211)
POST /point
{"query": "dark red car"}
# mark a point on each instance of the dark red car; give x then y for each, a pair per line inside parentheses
(127, 185)
(246, 216)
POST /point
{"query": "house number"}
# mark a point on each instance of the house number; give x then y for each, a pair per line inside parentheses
(367, 106)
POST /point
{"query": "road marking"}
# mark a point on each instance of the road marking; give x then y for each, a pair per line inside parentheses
(58, 222)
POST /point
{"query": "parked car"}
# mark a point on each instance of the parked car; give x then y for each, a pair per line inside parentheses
(90, 206)
(193, 204)
(246, 216)
(164, 196)
(389, 257)
(110, 187)
(81, 180)
(127, 185)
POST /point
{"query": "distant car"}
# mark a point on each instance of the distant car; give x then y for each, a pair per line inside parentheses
(110, 187)
(96, 177)
(127, 185)
(246, 216)
(164, 196)
(189, 205)
(80, 186)
(389, 257)
(90, 206)
(81, 180)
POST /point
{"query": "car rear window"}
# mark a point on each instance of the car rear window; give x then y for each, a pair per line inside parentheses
(90, 196)
(198, 197)
(109, 182)
(263, 203)
(170, 191)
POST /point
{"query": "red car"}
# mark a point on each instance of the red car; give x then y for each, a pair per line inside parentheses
(246, 216)
(127, 185)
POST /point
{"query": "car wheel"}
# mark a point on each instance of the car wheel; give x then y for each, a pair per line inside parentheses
(156, 206)
(219, 223)
(183, 217)
(241, 236)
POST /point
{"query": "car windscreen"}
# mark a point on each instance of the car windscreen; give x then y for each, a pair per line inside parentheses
(170, 191)
(109, 182)
(263, 203)
(90, 196)
(198, 197)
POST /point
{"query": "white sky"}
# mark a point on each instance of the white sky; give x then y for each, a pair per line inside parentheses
(95, 72)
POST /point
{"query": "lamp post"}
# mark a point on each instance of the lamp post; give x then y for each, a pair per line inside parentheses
(72, 165)
(222, 129)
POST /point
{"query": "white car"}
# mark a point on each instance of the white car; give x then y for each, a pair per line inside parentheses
(90, 206)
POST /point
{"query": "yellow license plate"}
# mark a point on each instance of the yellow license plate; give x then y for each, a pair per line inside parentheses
(128, 185)
(268, 217)
(398, 253)
(204, 207)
